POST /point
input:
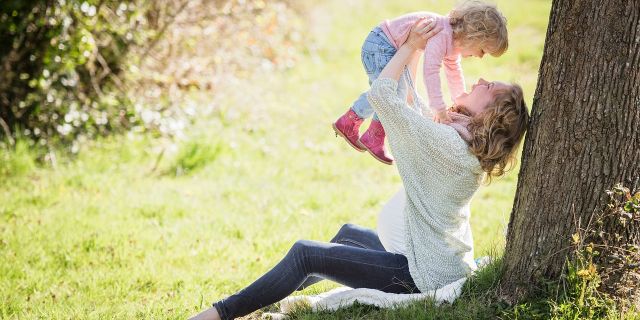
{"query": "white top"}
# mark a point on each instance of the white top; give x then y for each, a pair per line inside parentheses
(440, 176)
(391, 224)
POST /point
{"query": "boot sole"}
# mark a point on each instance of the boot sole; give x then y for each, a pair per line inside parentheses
(376, 157)
(339, 133)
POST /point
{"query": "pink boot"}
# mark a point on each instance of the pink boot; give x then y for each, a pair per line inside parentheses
(373, 141)
(347, 126)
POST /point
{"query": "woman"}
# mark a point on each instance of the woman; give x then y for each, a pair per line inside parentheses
(428, 243)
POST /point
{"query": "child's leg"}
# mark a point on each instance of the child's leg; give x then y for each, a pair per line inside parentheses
(377, 51)
(375, 56)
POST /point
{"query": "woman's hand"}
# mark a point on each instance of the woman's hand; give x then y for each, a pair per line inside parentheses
(422, 30)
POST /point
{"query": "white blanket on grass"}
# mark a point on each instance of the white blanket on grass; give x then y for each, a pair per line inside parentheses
(345, 296)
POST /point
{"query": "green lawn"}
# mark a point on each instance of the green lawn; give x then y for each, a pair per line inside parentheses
(111, 235)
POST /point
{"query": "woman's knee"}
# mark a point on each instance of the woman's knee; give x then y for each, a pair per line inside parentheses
(344, 232)
(300, 247)
(306, 257)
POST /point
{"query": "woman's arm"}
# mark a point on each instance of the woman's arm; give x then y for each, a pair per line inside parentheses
(413, 138)
(396, 117)
(410, 51)
(413, 69)
(413, 66)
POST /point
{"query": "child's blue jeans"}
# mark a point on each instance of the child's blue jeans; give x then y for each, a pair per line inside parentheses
(377, 51)
(355, 258)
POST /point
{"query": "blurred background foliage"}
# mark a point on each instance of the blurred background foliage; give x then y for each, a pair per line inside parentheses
(74, 70)
(227, 156)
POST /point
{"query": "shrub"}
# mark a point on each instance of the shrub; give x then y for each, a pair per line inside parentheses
(73, 70)
(62, 63)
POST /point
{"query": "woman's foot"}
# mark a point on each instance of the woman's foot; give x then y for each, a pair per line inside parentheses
(347, 126)
(373, 141)
(209, 314)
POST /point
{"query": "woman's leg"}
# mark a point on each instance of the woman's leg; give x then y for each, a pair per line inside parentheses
(354, 236)
(357, 236)
(350, 266)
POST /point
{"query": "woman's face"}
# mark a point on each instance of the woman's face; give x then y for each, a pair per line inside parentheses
(481, 95)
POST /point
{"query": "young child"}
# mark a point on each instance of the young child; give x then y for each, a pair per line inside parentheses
(470, 29)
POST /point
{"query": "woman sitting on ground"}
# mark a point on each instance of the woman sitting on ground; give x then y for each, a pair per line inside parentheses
(441, 167)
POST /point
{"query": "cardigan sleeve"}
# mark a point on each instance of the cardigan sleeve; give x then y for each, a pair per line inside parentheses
(409, 130)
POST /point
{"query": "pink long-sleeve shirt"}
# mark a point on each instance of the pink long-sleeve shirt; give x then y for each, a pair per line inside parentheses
(439, 50)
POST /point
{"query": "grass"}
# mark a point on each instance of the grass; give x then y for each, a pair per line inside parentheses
(194, 155)
(135, 227)
(476, 302)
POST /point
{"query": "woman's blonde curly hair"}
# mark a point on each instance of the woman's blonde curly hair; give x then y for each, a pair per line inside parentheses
(497, 131)
(479, 24)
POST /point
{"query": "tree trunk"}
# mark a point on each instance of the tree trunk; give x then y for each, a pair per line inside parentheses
(583, 138)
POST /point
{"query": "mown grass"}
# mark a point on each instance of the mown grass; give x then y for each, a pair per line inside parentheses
(476, 302)
(138, 227)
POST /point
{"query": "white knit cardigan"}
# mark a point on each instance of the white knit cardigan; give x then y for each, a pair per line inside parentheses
(440, 176)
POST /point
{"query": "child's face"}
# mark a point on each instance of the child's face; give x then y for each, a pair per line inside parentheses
(472, 51)
(481, 95)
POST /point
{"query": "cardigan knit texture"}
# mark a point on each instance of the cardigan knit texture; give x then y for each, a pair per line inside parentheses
(440, 176)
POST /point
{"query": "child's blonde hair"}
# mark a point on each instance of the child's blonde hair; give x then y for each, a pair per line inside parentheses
(476, 23)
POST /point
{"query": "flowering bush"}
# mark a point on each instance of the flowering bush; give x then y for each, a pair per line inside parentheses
(76, 69)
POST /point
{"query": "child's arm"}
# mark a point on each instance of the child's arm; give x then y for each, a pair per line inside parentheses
(455, 78)
(406, 128)
(434, 53)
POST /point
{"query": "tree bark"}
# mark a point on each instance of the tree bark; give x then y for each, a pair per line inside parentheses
(583, 137)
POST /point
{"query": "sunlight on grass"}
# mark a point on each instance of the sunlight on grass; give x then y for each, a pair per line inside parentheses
(194, 155)
(17, 162)
(106, 235)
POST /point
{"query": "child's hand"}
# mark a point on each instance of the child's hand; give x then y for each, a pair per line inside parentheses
(421, 31)
(442, 117)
